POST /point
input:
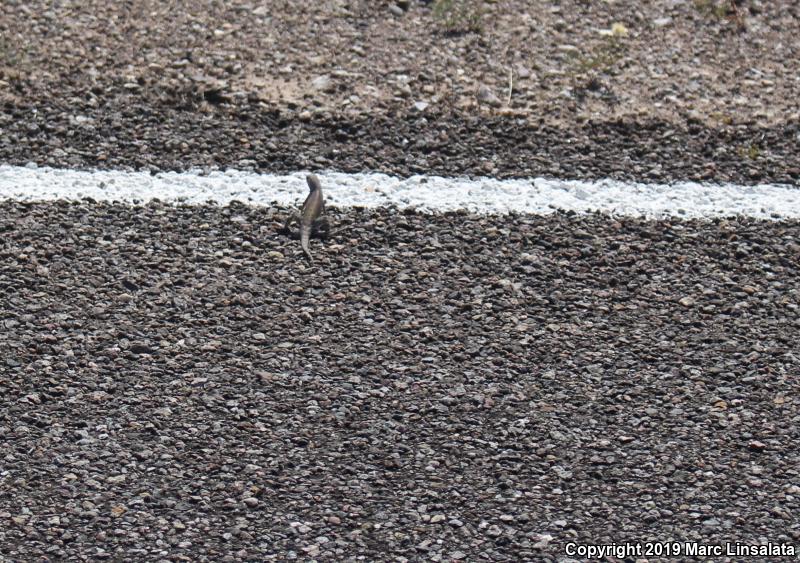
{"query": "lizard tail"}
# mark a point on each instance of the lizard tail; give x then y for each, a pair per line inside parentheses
(305, 234)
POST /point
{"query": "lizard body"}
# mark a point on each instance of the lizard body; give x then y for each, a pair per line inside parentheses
(310, 218)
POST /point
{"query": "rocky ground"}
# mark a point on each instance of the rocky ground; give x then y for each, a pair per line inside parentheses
(178, 384)
(676, 89)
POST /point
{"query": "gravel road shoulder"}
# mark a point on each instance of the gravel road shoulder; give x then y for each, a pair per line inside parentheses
(178, 383)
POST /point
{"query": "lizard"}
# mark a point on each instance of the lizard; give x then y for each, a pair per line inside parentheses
(310, 218)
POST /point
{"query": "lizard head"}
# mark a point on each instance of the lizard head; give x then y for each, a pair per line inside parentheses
(313, 182)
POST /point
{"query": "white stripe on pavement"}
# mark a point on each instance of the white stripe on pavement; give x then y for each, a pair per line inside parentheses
(426, 193)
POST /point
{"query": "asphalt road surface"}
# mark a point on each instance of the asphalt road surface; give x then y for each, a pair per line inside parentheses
(178, 384)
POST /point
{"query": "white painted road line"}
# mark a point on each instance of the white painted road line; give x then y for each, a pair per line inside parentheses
(425, 193)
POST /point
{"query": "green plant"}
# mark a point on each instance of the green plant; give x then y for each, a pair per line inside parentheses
(750, 151)
(459, 16)
(721, 10)
(712, 8)
(600, 59)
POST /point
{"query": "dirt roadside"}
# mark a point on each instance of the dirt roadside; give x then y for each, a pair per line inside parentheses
(667, 90)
